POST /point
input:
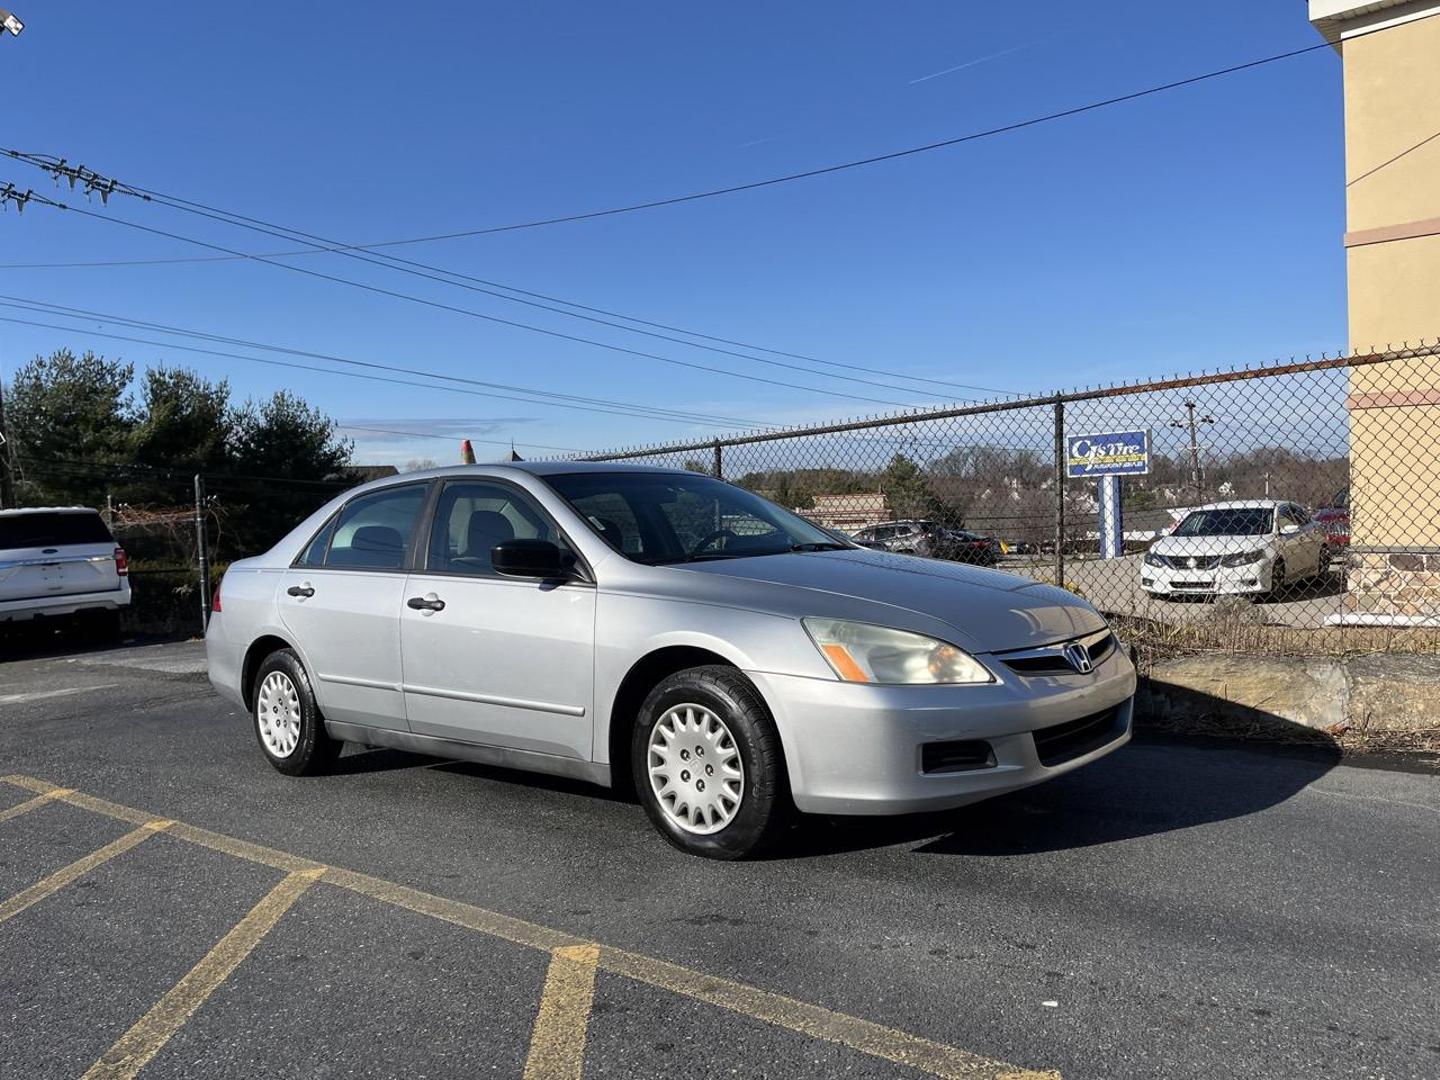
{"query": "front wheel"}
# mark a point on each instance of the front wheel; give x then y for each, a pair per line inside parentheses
(1277, 578)
(287, 720)
(708, 765)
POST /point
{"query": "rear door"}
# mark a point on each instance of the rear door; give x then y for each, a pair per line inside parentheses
(48, 553)
(342, 600)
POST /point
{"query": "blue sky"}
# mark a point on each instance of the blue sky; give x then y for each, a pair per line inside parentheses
(1193, 229)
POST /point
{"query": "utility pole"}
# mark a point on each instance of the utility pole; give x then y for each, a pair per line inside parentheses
(1193, 422)
(7, 477)
(202, 551)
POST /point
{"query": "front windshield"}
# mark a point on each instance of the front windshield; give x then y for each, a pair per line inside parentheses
(1234, 521)
(657, 518)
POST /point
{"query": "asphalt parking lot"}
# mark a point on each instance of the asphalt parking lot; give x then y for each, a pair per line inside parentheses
(170, 906)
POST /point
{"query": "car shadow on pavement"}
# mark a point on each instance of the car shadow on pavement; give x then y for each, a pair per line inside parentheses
(1153, 786)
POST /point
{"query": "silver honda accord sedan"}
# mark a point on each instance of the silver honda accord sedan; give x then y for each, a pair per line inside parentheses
(666, 630)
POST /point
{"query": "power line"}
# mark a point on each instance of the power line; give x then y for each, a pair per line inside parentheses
(455, 438)
(58, 168)
(293, 252)
(47, 308)
(857, 163)
(626, 411)
(379, 290)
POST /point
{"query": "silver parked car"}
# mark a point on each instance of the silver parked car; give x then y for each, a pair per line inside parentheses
(666, 630)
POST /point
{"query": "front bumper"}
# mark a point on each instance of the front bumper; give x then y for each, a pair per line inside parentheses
(1224, 580)
(64, 605)
(857, 749)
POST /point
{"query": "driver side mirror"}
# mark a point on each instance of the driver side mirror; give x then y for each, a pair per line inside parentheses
(531, 559)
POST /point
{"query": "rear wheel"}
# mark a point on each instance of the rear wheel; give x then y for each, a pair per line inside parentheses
(708, 765)
(287, 720)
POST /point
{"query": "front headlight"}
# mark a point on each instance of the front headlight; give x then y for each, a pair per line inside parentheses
(859, 652)
(1151, 559)
(1244, 558)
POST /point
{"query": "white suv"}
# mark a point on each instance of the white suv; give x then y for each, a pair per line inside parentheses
(61, 561)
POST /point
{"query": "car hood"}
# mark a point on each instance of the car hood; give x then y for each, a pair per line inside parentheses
(1210, 545)
(992, 611)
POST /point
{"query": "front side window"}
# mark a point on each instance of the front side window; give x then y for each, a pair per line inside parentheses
(661, 518)
(473, 516)
(373, 532)
(1228, 521)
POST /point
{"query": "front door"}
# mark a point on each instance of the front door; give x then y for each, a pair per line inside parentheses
(342, 601)
(500, 661)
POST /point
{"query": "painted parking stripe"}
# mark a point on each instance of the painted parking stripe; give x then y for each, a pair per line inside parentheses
(34, 804)
(867, 1037)
(133, 1050)
(45, 695)
(77, 869)
(557, 1043)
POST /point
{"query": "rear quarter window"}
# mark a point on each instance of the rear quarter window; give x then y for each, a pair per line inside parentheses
(47, 529)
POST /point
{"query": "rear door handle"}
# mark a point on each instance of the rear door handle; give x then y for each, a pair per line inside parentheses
(427, 603)
(301, 590)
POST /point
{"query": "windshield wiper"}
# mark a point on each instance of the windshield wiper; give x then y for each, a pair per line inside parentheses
(820, 545)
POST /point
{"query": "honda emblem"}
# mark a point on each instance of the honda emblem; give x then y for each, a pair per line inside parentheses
(1078, 657)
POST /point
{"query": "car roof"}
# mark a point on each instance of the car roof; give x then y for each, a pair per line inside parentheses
(18, 511)
(1244, 504)
(542, 468)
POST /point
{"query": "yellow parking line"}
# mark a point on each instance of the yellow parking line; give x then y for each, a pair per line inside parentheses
(133, 1050)
(867, 1037)
(813, 1020)
(62, 877)
(557, 1043)
(469, 916)
(33, 804)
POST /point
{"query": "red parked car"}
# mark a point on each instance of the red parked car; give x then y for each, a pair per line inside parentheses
(1335, 518)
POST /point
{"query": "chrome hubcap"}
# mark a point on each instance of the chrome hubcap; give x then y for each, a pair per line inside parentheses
(695, 769)
(277, 710)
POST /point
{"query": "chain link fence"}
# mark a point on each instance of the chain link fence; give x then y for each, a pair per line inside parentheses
(1293, 508)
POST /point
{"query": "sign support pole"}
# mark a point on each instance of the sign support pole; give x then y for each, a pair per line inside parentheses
(1112, 518)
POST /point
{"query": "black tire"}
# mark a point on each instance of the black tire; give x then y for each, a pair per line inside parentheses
(764, 806)
(314, 750)
(1277, 579)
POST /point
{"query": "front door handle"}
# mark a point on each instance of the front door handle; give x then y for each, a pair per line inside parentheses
(301, 590)
(428, 603)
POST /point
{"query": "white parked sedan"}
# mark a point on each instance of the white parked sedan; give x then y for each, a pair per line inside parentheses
(1244, 547)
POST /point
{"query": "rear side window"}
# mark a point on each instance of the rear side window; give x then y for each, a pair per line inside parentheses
(373, 532)
(49, 529)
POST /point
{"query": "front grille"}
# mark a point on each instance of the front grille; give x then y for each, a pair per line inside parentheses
(1063, 742)
(1191, 585)
(1190, 562)
(1051, 660)
(958, 756)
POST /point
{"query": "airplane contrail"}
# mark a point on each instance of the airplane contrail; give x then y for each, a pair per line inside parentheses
(976, 62)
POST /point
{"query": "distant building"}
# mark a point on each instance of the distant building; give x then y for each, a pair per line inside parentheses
(849, 513)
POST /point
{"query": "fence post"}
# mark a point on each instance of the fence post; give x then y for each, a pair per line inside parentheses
(719, 475)
(1059, 491)
(202, 548)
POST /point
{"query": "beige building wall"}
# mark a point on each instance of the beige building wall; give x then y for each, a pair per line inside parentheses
(1391, 56)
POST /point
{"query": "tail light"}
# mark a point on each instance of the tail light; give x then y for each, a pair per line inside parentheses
(122, 563)
(215, 600)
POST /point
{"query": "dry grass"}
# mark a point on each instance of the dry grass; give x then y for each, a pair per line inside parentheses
(1236, 626)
